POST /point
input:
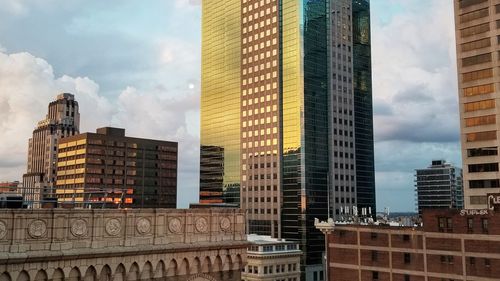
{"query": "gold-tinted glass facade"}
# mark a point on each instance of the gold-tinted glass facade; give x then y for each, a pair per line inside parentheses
(220, 101)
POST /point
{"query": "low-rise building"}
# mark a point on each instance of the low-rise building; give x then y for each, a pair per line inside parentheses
(271, 259)
(451, 245)
(107, 169)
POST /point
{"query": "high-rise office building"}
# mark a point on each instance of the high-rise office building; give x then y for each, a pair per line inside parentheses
(62, 120)
(439, 186)
(286, 113)
(107, 169)
(477, 39)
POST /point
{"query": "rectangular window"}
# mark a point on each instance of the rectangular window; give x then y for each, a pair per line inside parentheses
(478, 59)
(483, 168)
(472, 260)
(474, 30)
(489, 183)
(374, 275)
(478, 200)
(466, 3)
(374, 255)
(483, 151)
(470, 225)
(485, 225)
(481, 136)
(479, 90)
(477, 75)
(474, 45)
(487, 263)
(480, 120)
(474, 15)
(479, 105)
(407, 258)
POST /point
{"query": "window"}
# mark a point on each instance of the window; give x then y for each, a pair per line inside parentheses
(479, 90)
(484, 151)
(373, 235)
(487, 263)
(472, 260)
(374, 255)
(407, 258)
(480, 120)
(470, 225)
(479, 105)
(483, 43)
(481, 168)
(474, 15)
(406, 237)
(407, 277)
(476, 29)
(477, 75)
(375, 275)
(484, 225)
(489, 183)
(478, 59)
(466, 3)
(481, 136)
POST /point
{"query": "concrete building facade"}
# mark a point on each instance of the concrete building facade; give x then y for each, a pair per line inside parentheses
(104, 245)
(270, 259)
(439, 186)
(451, 245)
(62, 120)
(477, 38)
(107, 169)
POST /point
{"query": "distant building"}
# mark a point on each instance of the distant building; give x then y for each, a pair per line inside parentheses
(439, 186)
(272, 259)
(12, 186)
(451, 245)
(476, 26)
(106, 169)
(62, 120)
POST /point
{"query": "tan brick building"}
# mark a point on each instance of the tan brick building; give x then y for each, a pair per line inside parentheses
(477, 24)
(452, 245)
(109, 170)
(271, 259)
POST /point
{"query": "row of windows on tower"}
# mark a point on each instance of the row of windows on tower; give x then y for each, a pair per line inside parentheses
(341, 143)
(263, 211)
(265, 199)
(256, 188)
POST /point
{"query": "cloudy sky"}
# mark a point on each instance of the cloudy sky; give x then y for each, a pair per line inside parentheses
(136, 64)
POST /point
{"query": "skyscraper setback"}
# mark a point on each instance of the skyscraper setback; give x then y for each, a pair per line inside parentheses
(477, 39)
(286, 113)
(62, 120)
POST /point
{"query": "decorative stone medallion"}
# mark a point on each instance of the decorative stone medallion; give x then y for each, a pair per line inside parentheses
(175, 225)
(201, 225)
(143, 225)
(37, 228)
(3, 230)
(225, 224)
(113, 227)
(79, 228)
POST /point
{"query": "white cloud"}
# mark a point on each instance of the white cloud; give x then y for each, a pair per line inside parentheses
(28, 84)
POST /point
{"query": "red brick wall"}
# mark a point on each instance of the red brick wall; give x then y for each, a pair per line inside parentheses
(434, 264)
(401, 277)
(482, 246)
(343, 237)
(346, 256)
(431, 219)
(342, 274)
(415, 241)
(446, 244)
(416, 261)
(479, 269)
(381, 239)
(367, 275)
(382, 258)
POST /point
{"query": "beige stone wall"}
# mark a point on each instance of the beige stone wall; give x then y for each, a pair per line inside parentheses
(122, 244)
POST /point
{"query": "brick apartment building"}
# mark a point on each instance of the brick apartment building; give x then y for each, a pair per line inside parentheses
(107, 169)
(451, 245)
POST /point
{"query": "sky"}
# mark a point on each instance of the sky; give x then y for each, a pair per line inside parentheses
(136, 65)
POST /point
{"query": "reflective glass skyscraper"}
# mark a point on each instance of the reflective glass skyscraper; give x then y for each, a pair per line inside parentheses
(286, 113)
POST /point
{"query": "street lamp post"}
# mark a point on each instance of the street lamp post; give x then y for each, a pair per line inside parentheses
(326, 227)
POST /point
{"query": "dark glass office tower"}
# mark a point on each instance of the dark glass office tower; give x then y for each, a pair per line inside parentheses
(363, 105)
(280, 107)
